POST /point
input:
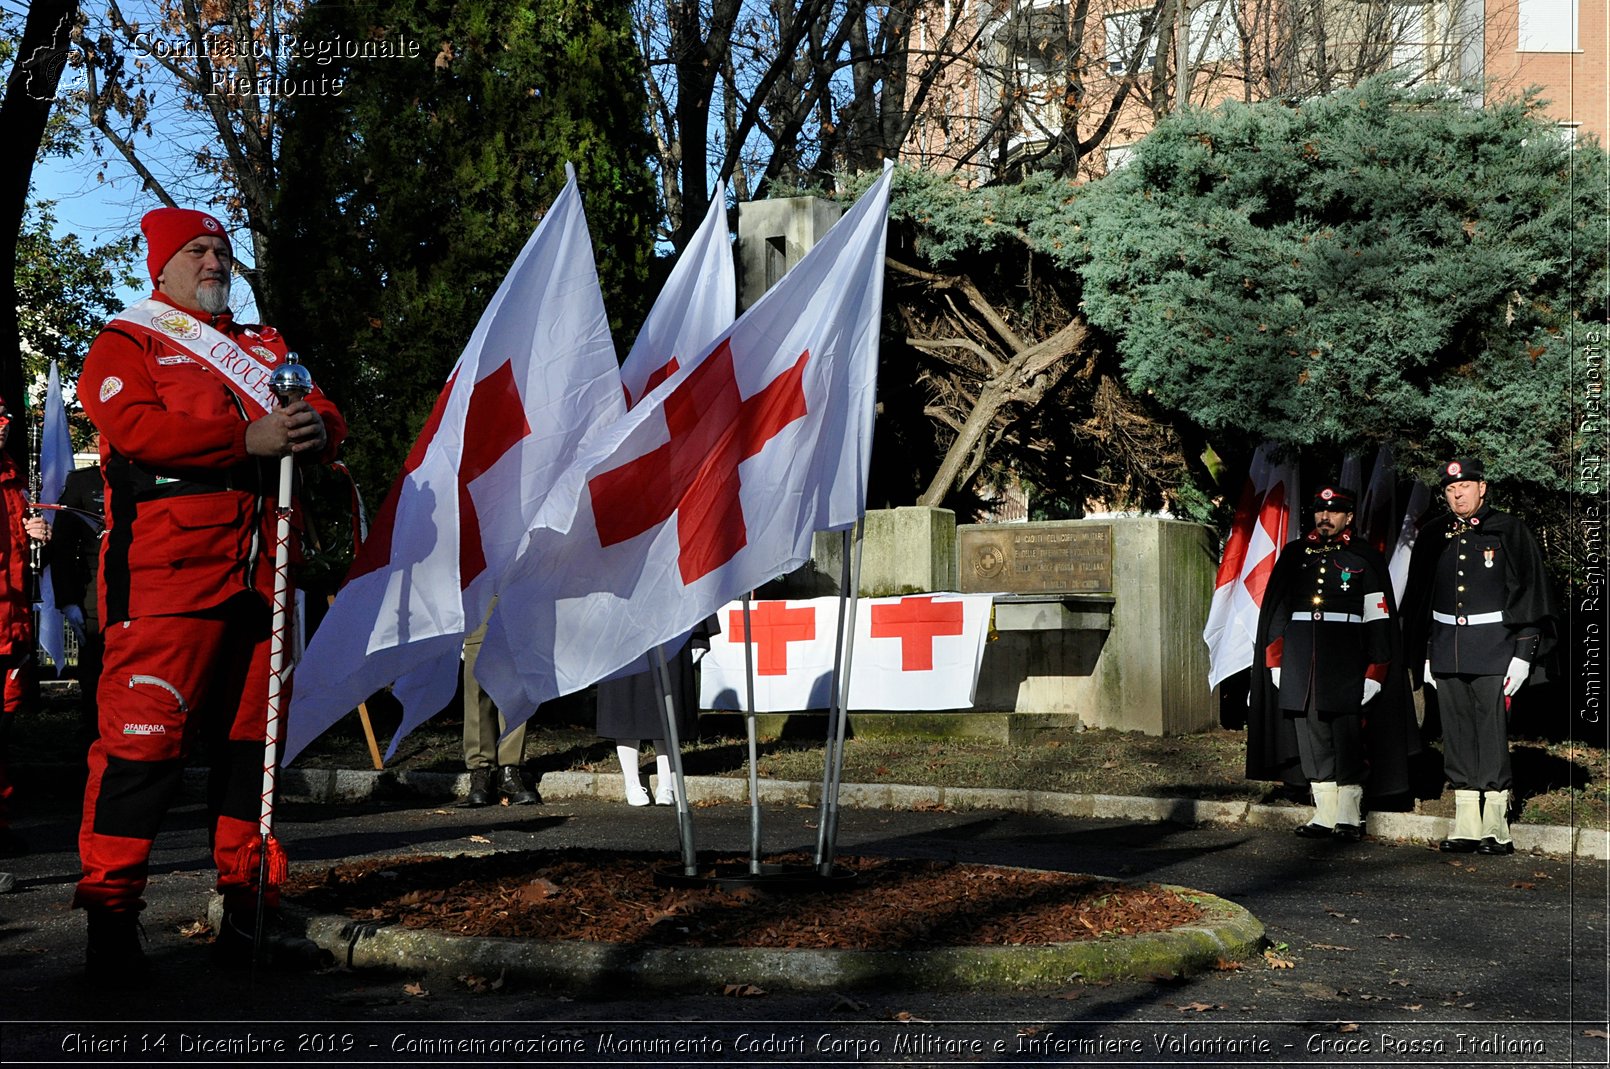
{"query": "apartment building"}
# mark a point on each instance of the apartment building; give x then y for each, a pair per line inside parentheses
(1032, 79)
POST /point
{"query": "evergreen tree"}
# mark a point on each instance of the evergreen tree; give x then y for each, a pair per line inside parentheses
(1377, 265)
(407, 193)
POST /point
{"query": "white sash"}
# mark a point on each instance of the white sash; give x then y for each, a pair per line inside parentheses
(245, 373)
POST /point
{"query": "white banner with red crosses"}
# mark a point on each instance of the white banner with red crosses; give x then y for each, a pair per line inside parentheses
(921, 651)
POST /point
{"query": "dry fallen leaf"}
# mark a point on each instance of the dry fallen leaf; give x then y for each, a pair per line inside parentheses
(538, 890)
(1524, 885)
(1595, 1033)
(196, 929)
(845, 1002)
(742, 991)
(416, 989)
(1414, 1008)
(1400, 983)
(1394, 936)
(480, 839)
(1327, 946)
(1226, 965)
(1347, 1026)
(1277, 962)
(1197, 1007)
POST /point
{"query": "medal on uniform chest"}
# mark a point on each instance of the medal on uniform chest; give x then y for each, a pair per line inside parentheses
(1488, 554)
(1347, 577)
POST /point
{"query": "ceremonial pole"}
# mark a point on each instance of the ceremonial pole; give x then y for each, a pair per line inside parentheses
(290, 383)
(684, 817)
(749, 730)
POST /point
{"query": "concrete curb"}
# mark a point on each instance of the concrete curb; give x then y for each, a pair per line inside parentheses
(331, 785)
(1227, 932)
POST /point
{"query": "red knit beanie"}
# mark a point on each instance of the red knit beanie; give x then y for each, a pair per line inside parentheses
(167, 230)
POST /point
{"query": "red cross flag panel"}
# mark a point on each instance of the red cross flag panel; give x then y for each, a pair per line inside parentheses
(916, 652)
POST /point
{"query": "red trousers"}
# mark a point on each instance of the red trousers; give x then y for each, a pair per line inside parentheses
(20, 668)
(168, 684)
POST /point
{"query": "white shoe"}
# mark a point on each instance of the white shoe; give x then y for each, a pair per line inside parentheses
(665, 795)
(636, 796)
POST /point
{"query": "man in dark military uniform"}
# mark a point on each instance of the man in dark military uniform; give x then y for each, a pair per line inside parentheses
(1479, 616)
(1326, 647)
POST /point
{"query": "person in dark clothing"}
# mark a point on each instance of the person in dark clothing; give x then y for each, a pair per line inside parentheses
(75, 563)
(1328, 704)
(1478, 616)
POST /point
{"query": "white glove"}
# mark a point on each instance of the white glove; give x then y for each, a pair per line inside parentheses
(1371, 689)
(1274, 676)
(74, 616)
(1428, 677)
(1518, 671)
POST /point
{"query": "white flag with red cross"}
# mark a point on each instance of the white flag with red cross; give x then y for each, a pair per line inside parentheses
(696, 305)
(537, 379)
(1264, 522)
(709, 487)
(915, 652)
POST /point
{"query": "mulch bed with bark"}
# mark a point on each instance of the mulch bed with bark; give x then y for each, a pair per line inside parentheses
(600, 896)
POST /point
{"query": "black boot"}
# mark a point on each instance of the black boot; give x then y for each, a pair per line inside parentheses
(512, 785)
(279, 950)
(480, 788)
(115, 955)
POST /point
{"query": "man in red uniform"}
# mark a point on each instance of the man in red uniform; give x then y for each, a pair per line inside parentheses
(191, 438)
(17, 528)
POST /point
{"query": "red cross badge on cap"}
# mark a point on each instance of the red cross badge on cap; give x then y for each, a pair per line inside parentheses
(1454, 468)
(1327, 493)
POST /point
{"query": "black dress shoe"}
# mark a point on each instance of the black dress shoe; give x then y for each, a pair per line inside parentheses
(1351, 833)
(480, 788)
(115, 956)
(1457, 846)
(1490, 845)
(1313, 831)
(512, 785)
(236, 945)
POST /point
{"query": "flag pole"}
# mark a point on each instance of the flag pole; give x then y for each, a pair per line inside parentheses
(684, 817)
(749, 729)
(290, 383)
(838, 717)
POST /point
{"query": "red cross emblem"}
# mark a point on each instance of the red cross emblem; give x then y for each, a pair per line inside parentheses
(695, 475)
(498, 414)
(1382, 604)
(916, 622)
(775, 626)
(655, 377)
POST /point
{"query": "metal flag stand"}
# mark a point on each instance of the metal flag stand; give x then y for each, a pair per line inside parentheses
(824, 874)
(827, 828)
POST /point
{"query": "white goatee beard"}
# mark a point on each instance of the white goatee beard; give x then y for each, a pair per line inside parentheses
(213, 298)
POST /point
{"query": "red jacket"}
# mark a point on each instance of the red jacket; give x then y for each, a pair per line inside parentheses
(190, 520)
(16, 615)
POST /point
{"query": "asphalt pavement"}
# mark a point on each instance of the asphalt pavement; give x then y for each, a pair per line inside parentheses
(1380, 953)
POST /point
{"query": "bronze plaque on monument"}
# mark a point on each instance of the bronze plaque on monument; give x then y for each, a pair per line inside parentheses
(1053, 558)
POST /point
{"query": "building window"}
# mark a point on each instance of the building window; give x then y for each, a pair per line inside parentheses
(1214, 36)
(1547, 26)
(1123, 38)
(1409, 39)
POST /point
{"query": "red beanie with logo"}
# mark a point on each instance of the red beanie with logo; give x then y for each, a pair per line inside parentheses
(167, 230)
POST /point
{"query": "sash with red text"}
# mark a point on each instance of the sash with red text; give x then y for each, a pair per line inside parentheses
(247, 371)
